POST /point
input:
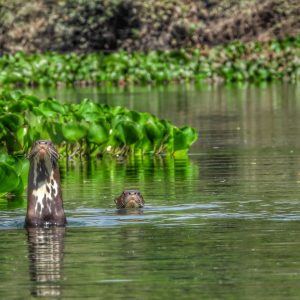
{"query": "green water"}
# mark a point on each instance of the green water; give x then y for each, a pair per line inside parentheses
(221, 224)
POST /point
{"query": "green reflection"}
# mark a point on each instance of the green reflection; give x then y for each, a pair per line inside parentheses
(97, 182)
(238, 237)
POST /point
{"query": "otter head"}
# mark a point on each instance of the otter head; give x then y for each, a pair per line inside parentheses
(130, 199)
(45, 205)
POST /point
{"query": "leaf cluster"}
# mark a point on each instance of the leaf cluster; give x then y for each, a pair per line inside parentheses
(254, 62)
(86, 129)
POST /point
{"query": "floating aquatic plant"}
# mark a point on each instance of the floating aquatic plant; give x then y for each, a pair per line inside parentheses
(13, 175)
(80, 130)
(237, 61)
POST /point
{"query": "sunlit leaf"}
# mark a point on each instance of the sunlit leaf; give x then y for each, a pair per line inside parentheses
(154, 131)
(88, 107)
(51, 107)
(127, 132)
(97, 134)
(183, 138)
(22, 168)
(73, 132)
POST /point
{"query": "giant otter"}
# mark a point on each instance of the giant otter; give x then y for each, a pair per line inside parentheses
(44, 197)
(130, 199)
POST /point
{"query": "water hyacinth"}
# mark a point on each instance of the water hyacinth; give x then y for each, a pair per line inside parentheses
(80, 130)
(254, 62)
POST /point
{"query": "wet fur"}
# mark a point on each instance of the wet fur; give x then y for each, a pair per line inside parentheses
(130, 199)
(45, 204)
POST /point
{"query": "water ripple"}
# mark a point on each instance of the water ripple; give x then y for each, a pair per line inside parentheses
(177, 215)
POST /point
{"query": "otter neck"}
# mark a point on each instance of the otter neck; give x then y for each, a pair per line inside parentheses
(45, 204)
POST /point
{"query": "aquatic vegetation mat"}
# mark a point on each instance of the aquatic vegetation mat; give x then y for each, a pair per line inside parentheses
(235, 62)
(82, 130)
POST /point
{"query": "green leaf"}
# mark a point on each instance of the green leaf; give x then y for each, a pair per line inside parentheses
(2, 131)
(20, 134)
(22, 169)
(183, 138)
(51, 107)
(73, 132)
(154, 131)
(31, 135)
(88, 107)
(191, 135)
(19, 106)
(55, 132)
(19, 188)
(127, 132)
(8, 177)
(12, 121)
(97, 134)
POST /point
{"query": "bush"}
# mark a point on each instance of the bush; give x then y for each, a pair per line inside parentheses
(87, 26)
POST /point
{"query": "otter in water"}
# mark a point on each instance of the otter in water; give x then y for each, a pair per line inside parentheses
(130, 199)
(44, 197)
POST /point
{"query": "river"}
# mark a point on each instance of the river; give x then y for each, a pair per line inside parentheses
(220, 224)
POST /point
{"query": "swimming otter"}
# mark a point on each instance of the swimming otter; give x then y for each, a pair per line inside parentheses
(130, 199)
(44, 197)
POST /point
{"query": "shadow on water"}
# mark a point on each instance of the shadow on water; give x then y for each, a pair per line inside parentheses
(46, 256)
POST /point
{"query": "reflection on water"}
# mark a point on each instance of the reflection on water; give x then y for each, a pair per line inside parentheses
(226, 116)
(103, 180)
(45, 255)
(221, 224)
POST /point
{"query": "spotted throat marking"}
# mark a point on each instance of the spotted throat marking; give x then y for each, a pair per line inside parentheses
(45, 203)
(47, 190)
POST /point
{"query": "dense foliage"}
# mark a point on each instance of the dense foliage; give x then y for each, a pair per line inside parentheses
(236, 62)
(86, 129)
(89, 26)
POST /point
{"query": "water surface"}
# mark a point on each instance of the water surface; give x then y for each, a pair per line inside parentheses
(222, 223)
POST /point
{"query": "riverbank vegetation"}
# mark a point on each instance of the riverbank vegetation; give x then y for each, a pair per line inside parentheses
(153, 25)
(121, 42)
(147, 42)
(80, 130)
(254, 62)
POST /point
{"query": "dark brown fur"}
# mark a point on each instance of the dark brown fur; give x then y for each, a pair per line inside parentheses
(44, 196)
(130, 199)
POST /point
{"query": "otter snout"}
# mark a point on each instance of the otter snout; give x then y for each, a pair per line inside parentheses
(43, 150)
(130, 199)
